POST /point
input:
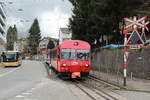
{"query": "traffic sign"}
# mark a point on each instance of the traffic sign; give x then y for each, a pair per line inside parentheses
(134, 23)
(133, 34)
(135, 38)
(134, 46)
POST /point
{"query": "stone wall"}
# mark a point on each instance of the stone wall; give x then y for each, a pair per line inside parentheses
(111, 61)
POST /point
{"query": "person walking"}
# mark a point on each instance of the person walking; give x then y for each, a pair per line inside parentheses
(3, 56)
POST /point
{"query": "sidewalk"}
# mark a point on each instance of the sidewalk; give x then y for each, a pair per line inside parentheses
(133, 84)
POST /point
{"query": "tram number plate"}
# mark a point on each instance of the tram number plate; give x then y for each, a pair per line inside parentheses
(75, 75)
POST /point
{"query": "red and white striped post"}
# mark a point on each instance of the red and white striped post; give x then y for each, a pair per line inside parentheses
(125, 59)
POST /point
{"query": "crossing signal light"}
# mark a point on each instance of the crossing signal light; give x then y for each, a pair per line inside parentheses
(130, 42)
(134, 42)
(134, 39)
(138, 42)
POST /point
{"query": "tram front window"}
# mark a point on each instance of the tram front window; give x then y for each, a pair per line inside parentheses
(83, 54)
(68, 54)
(72, 54)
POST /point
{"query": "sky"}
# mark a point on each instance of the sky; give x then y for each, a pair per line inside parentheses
(52, 14)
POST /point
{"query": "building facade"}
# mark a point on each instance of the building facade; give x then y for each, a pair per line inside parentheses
(64, 35)
(21, 45)
(43, 45)
(2, 29)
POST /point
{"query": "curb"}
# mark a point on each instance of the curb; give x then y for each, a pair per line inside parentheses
(47, 69)
(126, 88)
(136, 90)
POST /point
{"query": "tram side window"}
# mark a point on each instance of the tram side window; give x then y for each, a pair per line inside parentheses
(82, 54)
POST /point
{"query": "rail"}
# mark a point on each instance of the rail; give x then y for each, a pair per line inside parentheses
(97, 93)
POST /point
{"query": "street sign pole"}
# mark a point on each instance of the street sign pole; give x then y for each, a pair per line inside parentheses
(134, 39)
(125, 59)
(125, 68)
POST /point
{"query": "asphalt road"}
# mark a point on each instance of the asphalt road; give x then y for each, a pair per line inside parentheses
(30, 82)
(14, 81)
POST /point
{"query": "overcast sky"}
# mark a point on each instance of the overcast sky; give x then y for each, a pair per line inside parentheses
(52, 14)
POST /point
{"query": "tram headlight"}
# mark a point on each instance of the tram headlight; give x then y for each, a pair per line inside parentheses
(86, 65)
(64, 65)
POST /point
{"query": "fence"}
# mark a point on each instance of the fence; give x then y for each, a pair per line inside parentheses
(109, 62)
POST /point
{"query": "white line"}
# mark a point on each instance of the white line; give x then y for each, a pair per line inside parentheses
(7, 73)
(33, 89)
(26, 93)
(30, 91)
(30, 99)
(20, 96)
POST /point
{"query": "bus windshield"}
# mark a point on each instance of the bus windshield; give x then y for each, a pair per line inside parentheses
(72, 54)
(10, 57)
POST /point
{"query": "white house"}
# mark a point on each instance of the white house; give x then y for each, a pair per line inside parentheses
(64, 35)
(21, 45)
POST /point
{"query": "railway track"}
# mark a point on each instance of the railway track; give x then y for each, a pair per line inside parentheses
(96, 93)
(98, 89)
(106, 83)
(85, 91)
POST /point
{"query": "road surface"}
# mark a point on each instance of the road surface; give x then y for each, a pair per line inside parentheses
(30, 82)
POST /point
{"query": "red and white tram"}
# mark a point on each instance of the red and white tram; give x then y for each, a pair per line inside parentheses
(71, 59)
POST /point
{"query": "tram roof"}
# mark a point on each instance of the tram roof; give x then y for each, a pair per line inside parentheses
(76, 44)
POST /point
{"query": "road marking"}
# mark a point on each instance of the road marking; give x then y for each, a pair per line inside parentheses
(7, 73)
(26, 93)
(40, 85)
(30, 91)
(31, 99)
(20, 96)
(33, 89)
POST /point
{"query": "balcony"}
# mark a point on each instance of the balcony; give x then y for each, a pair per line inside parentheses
(2, 20)
(2, 29)
(2, 12)
(2, 38)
